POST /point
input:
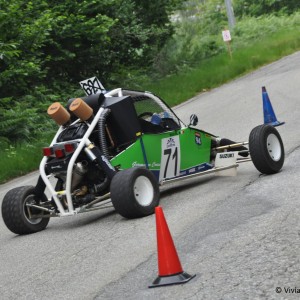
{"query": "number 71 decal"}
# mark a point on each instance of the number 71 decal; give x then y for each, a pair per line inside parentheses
(170, 158)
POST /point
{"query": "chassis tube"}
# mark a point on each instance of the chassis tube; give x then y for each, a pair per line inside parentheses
(45, 178)
(50, 187)
(82, 144)
(231, 146)
(114, 92)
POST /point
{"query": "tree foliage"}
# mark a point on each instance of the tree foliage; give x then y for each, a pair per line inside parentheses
(70, 40)
(264, 7)
(199, 25)
(47, 47)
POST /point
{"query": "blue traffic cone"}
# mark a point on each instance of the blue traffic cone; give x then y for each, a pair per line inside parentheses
(269, 115)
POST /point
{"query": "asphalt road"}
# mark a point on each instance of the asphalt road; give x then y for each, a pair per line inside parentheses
(239, 235)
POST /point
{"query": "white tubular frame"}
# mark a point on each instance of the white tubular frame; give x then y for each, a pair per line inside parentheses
(83, 142)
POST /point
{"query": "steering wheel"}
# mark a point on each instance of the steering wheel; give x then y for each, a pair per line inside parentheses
(144, 114)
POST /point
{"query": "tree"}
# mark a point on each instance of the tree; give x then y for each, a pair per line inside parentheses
(47, 47)
(263, 7)
(70, 40)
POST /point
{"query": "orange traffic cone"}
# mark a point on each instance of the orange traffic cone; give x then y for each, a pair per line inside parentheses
(169, 267)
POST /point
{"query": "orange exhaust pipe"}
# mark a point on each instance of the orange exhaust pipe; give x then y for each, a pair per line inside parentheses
(58, 113)
(82, 110)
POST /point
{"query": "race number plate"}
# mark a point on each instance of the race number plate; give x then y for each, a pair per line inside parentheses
(92, 86)
(170, 158)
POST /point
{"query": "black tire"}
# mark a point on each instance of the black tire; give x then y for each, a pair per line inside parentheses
(134, 193)
(15, 214)
(266, 149)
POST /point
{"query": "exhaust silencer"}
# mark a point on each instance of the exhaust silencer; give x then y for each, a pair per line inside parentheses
(82, 110)
(58, 113)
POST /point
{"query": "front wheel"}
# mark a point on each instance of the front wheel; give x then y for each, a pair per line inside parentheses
(18, 217)
(266, 149)
(134, 193)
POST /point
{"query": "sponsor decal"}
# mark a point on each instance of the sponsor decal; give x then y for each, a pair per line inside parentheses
(171, 143)
(193, 170)
(196, 169)
(226, 159)
(56, 167)
(201, 167)
(198, 138)
(155, 164)
(226, 155)
(136, 164)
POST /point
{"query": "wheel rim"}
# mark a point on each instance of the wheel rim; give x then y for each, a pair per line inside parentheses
(274, 147)
(143, 191)
(30, 200)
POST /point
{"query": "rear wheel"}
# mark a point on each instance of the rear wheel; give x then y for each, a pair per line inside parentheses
(266, 149)
(134, 193)
(18, 217)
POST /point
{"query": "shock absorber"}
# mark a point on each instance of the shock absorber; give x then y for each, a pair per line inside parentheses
(96, 156)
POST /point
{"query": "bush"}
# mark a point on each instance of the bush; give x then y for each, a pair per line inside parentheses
(250, 29)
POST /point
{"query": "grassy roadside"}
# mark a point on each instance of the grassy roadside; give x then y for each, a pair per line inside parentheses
(21, 159)
(18, 160)
(220, 69)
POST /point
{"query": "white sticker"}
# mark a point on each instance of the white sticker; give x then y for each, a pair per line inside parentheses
(170, 158)
(92, 86)
(226, 159)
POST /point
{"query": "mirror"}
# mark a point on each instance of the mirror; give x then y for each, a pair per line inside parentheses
(193, 120)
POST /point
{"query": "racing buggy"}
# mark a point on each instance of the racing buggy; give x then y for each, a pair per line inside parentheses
(121, 146)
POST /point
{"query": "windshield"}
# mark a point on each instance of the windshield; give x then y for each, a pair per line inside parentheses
(148, 105)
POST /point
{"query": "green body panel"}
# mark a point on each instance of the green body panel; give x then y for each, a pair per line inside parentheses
(193, 154)
(195, 146)
(133, 156)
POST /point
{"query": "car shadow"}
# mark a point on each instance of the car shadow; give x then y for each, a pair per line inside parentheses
(108, 213)
(185, 184)
(81, 220)
(111, 215)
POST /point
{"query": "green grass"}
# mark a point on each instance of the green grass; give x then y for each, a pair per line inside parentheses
(220, 69)
(20, 159)
(175, 89)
